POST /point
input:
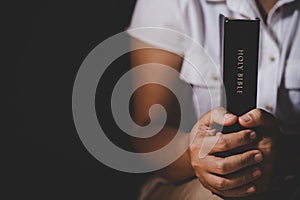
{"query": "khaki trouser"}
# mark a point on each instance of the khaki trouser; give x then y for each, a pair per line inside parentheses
(192, 190)
(158, 189)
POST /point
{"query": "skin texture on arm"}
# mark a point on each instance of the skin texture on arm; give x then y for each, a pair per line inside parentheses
(151, 94)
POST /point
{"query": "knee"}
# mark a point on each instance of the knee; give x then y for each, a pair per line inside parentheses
(194, 190)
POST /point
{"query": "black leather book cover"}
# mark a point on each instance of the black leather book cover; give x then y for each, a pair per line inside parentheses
(240, 50)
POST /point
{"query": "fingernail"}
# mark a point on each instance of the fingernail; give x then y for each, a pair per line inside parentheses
(251, 189)
(256, 173)
(252, 135)
(228, 116)
(245, 118)
(258, 158)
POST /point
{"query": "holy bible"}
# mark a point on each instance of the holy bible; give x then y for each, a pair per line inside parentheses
(240, 46)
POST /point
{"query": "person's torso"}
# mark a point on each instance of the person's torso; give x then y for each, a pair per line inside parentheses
(279, 58)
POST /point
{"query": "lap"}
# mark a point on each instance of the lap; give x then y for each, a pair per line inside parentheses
(190, 190)
(159, 189)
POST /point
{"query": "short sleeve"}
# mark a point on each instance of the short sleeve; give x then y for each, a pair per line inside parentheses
(159, 23)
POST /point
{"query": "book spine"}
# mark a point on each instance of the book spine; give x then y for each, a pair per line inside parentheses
(240, 66)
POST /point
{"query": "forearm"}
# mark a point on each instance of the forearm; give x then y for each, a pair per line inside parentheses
(177, 171)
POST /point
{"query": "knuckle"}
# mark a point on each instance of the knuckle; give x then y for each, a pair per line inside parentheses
(220, 109)
(194, 163)
(245, 179)
(244, 138)
(193, 148)
(223, 143)
(221, 167)
(246, 160)
(220, 184)
(198, 163)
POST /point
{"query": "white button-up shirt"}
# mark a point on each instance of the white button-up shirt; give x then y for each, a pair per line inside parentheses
(279, 59)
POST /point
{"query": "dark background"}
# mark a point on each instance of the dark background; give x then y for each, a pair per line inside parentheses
(45, 44)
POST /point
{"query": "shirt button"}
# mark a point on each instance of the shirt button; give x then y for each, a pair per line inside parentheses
(214, 77)
(272, 58)
(269, 107)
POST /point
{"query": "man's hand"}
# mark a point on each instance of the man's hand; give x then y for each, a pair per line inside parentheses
(231, 176)
(266, 126)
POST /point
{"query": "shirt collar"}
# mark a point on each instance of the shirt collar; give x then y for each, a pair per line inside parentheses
(283, 1)
(215, 0)
(245, 7)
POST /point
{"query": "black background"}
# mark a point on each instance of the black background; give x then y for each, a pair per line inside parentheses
(45, 43)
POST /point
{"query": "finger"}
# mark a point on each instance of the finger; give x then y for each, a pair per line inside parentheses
(232, 140)
(230, 164)
(234, 180)
(219, 116)
(257, 117)
(242, 191)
